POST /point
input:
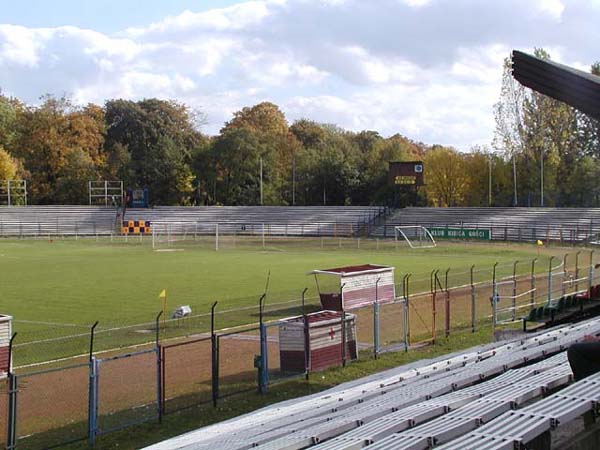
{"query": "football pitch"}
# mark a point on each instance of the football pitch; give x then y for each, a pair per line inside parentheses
(67, 285)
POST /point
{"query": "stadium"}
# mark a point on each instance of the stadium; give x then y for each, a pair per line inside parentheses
(303, 286)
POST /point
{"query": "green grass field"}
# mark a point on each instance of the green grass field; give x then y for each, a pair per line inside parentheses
(74, 283)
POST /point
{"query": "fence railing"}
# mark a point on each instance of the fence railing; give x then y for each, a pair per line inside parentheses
(102, 390)
(514, 232)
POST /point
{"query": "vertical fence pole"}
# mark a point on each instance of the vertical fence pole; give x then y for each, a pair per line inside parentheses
(550, 280)
(577, 271)
(433, 288)
(343, 325)
(447, 303)
(160, 395)
(494, 297)
(533, 288)
(376, 320)
(13, 383)
(214, 345)
(93, 391)
(263, 366)
(563, 290)
(306, 336)
(472, 299)
(591, 280)
(514, 291)
(406, 310)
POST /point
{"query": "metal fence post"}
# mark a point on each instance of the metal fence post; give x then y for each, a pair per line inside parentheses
(13, 384)
(160, 398)
(447, 303)
(591, 280)
(343, 325)
(494, 297)
(263, 367)
(577, 271)
(472, 300)
(533, 287)
(306, 336)
(563, 290)
(93, 391)
(214, 356)
(376, 320)
(514, 290)
(406, 311)
(11, 438)
(550, 279)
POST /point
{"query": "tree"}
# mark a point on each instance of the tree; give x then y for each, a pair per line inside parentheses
(47, 136)
(445, 177)
(8, 166)
(155, 140)
(277, 148)
(235, 159)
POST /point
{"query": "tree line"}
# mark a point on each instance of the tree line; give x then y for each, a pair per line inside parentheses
(260, 158)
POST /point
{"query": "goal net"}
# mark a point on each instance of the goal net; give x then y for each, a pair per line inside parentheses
(174, 235)
(415, 236)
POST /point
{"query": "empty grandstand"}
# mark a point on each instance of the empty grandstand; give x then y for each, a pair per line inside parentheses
(56, 220)
(501, 396)
(514, 224)
(93, 220)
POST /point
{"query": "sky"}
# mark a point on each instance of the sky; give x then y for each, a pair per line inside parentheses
(430, 70)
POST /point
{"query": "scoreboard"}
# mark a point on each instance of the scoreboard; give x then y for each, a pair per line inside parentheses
(406, 173)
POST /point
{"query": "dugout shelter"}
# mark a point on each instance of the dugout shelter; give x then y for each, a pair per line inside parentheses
(345, 288)
(5, 335)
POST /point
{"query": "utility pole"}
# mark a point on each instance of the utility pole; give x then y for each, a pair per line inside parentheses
(294, 179)
(490, 183)
(515, 202)
(261, 181)
(542, 177)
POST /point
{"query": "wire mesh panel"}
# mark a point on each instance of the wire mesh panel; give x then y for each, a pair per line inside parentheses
(392, 326)
(237, 350)
(186, 374)
(460, 308)
(127, 390)
(483, 303)
(441, 313)
(365, 326)
(420, 318)
(52, 407)
(39, 345)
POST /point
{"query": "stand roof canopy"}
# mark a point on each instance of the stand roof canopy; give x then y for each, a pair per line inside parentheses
(579, 89)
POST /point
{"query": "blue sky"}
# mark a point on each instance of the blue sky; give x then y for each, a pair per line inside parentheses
(428, 69)
(108, 16)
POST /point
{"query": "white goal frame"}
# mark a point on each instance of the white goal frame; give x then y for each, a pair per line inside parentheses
(423, 232)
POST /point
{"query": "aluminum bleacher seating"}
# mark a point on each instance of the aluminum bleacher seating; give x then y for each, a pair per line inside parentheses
(278, 220)
(416, 407)
(527, 224)
(56, 220)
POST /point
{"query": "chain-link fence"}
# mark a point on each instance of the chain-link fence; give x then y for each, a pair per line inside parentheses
(186, 374)
(127, 390)
(52, 407)
(177, 364)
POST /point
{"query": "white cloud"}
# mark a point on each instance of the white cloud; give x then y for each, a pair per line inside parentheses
(425, 68)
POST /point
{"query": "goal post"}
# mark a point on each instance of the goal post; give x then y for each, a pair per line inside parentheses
(416, 236)
(177, 235)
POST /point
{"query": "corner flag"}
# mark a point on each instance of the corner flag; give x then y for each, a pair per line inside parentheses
(163, 294)
(539, 242)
